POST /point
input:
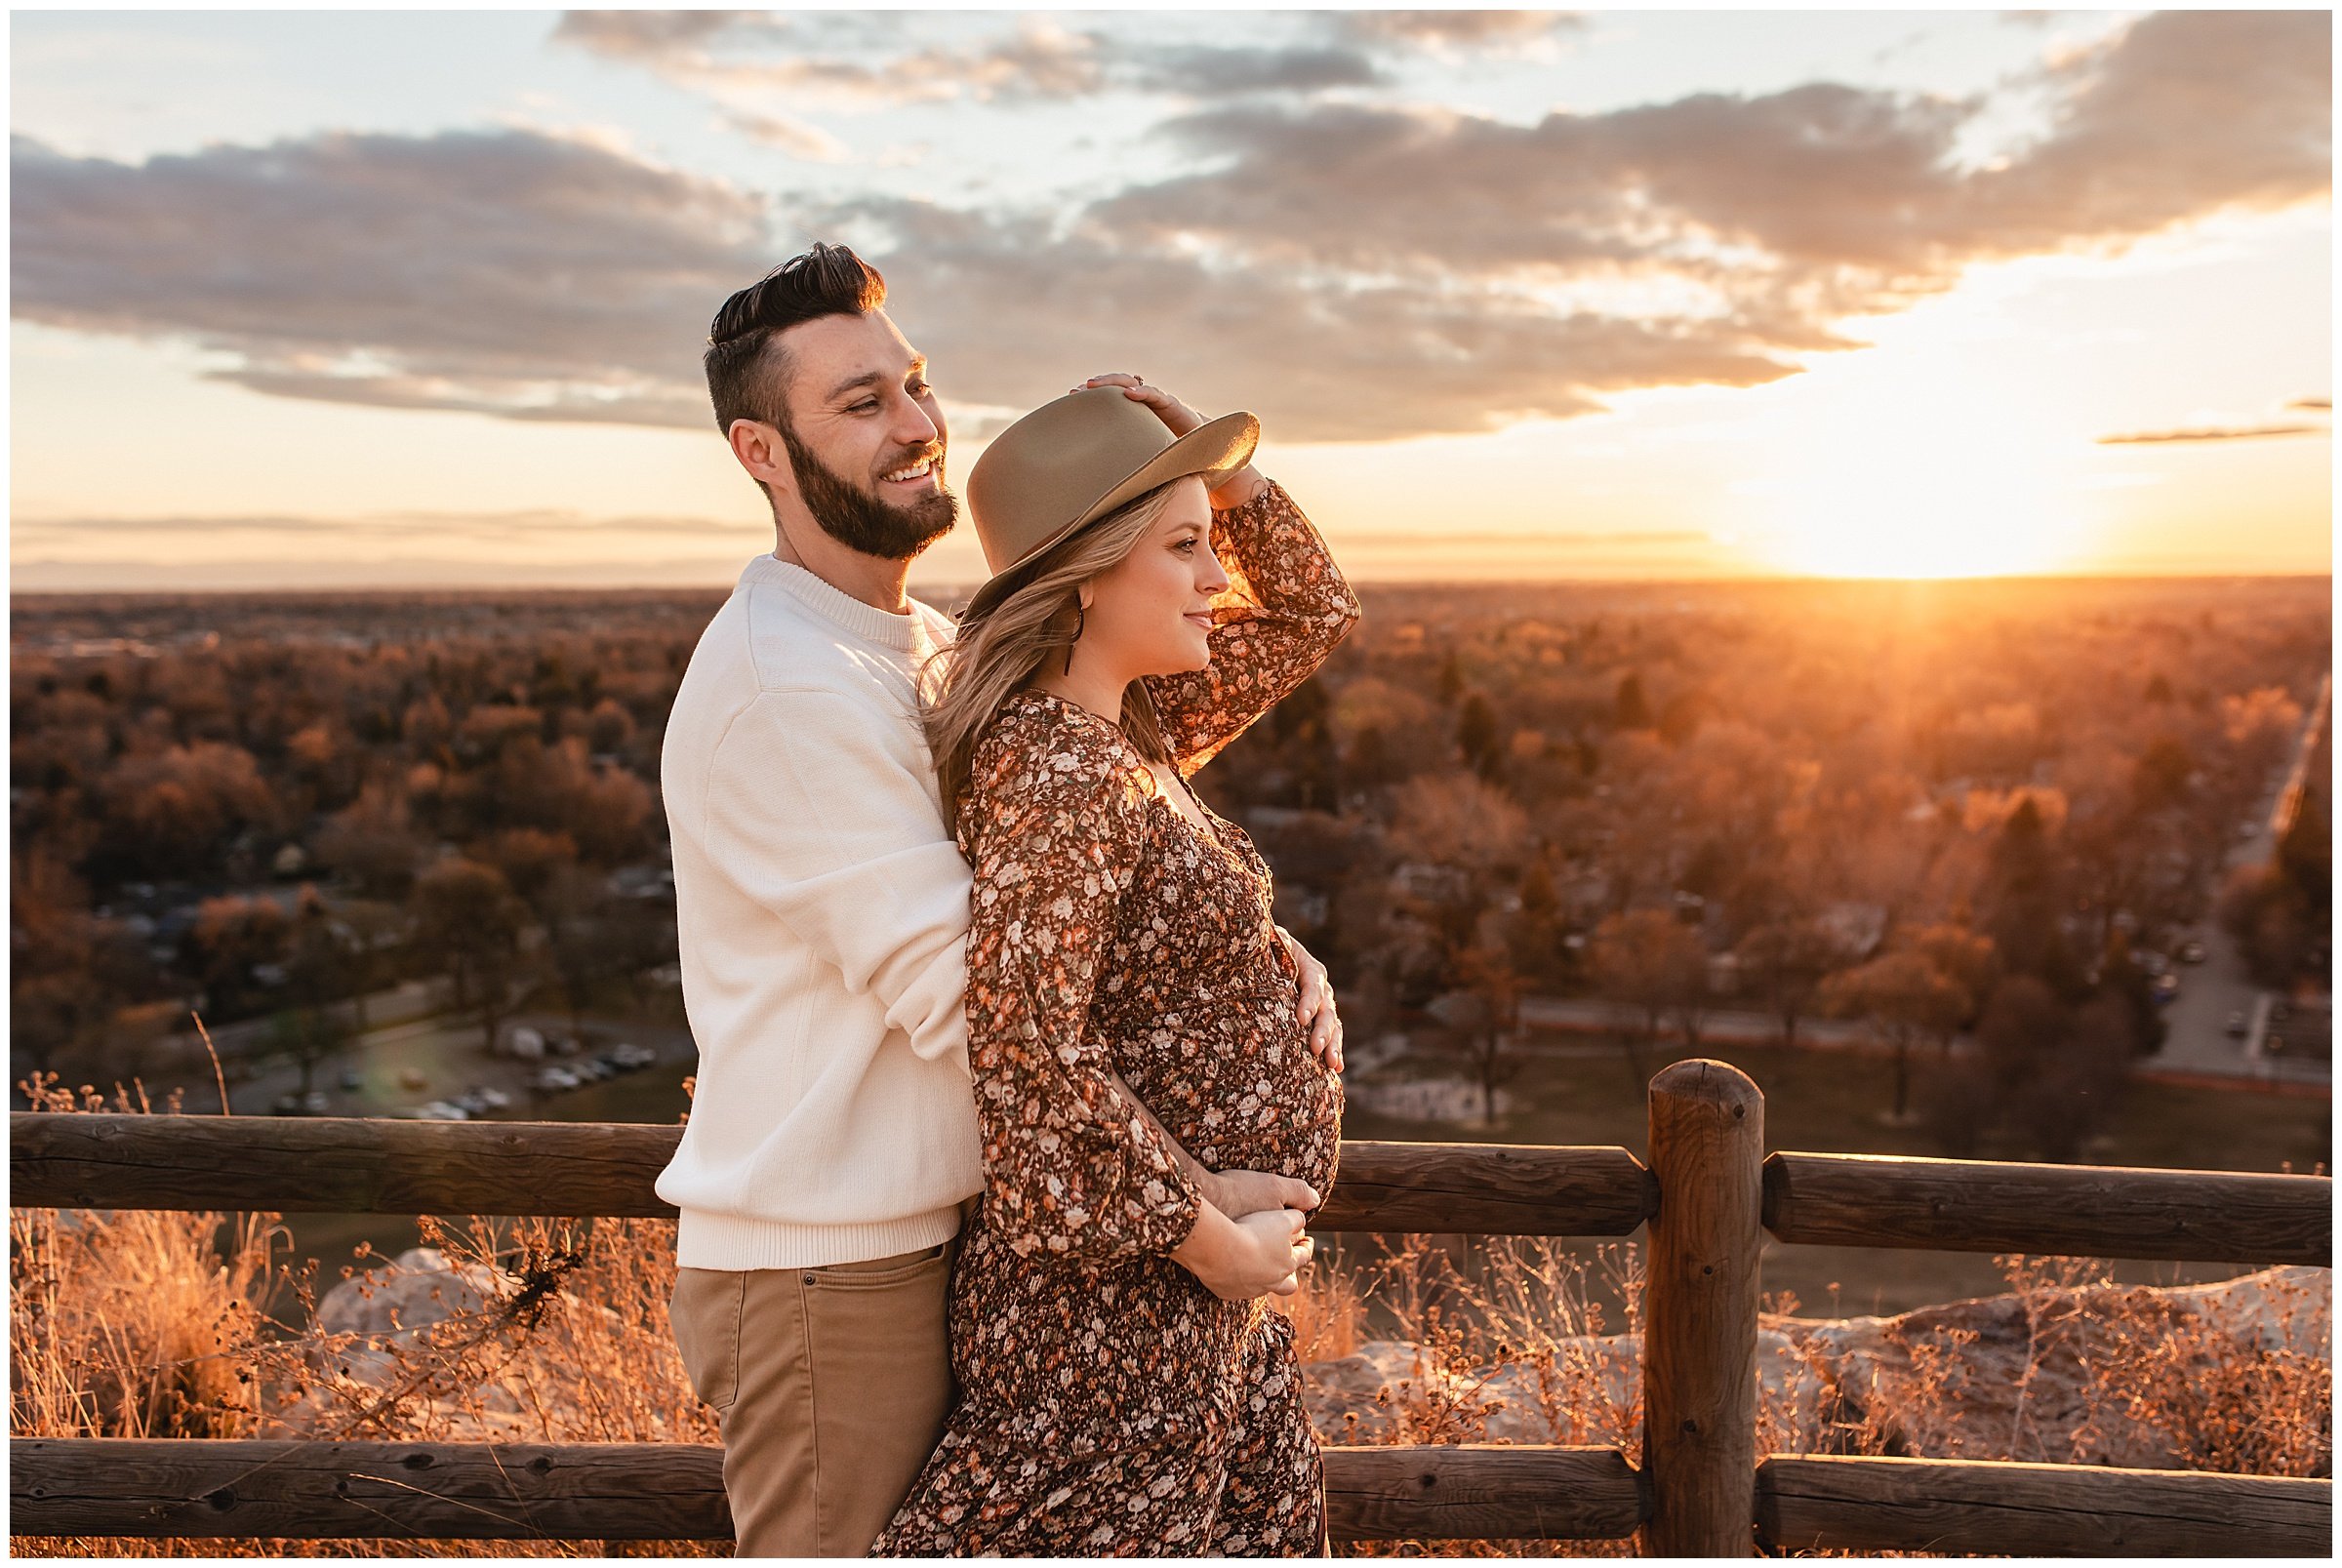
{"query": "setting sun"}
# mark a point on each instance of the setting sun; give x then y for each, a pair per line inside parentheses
(1918, 508)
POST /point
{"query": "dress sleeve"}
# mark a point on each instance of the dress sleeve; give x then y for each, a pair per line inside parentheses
(1070, 1167)
(1292, 606)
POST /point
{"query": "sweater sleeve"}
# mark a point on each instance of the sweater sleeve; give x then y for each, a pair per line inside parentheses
(830, 820)
(1292, 606)
(1070, 1167)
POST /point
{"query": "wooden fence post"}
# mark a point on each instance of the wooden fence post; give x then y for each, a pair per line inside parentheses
(1699, 1311)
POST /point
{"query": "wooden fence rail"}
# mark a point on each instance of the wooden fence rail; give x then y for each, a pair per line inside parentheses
(1995, 1507)
(167, 1488)
(2097, 1211)
(362, 1165)
(1708, 1196)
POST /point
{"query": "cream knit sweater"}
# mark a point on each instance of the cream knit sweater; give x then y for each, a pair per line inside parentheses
(823, 914)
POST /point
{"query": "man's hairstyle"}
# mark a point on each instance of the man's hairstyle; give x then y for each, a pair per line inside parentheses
(742, 381)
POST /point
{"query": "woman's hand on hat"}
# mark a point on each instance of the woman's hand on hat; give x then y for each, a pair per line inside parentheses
(1180, 418)
(1236, 489)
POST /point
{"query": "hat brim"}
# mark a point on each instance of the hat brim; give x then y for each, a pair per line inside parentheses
(1215, 447)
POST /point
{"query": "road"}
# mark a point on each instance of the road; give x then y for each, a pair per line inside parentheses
(2221, 987)
(445, 1050)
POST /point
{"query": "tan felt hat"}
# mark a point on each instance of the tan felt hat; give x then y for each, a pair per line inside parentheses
(1070, 463)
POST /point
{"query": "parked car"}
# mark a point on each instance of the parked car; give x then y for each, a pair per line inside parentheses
(287, 1104)
(2164, 991)
(441, 1110)
(632, 1057)
(412, 1079)
(2191, 952)
(315, 1104)
(471, 1104)
(2147, 958)
(493, 1099)
(2238, 1026)
(553, 1080)
(352, 1080)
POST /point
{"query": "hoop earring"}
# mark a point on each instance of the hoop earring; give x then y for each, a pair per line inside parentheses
(1078, 617)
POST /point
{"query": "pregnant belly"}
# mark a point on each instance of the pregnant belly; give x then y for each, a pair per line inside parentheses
(1236, 1084)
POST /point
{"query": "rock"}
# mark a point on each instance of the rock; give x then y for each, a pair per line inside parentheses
(2008, 1376)
(2001, 1377)
(418, 1288)
(1430, 1100)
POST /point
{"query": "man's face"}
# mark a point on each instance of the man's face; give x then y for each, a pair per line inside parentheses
(866, 437)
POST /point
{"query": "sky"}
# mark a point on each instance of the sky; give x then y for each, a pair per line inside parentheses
(389, 299)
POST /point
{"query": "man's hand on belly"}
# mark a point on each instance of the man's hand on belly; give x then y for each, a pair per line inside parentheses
(1237, 1193)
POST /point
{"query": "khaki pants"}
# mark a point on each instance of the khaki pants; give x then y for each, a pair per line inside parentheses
(832, 1384)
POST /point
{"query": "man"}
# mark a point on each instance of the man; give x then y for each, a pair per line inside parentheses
(822, 914)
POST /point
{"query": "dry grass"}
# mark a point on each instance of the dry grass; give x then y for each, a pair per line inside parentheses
(151, 1324)
(135, 1324)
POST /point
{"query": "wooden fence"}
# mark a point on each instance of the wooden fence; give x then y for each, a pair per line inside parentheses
(1697, 1488)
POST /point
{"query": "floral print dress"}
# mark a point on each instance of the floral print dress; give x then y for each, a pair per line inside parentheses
(1110, 1404)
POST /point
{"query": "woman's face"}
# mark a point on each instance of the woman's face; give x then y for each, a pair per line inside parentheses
(1151, 614)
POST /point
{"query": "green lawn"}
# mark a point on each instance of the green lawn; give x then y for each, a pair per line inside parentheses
(1833, 1102)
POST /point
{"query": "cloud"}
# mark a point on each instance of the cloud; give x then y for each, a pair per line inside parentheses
(1465, 28)
(797, 137)
(2238, 432)
(2323, 403)
(647, 34)
(2183, 114)
(1212, 72)
(504, 272)
(1350, 271)
(747, 59)
(533, 526)
(744, 59)
(1012, 312)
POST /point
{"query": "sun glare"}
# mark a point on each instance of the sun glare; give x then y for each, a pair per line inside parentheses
(1935, 482)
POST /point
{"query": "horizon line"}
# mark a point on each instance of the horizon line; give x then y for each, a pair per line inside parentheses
(1741, 579)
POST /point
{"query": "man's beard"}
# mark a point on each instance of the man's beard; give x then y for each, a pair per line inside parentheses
(859, 519)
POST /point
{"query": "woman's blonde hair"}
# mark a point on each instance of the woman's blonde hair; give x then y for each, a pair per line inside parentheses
(964, 685)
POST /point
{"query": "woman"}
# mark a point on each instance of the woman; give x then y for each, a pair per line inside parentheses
(1123, 1389)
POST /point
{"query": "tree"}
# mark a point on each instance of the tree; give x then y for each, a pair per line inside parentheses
(576, 906)
(1652, 960)
(1784, 962)
(468, 920)
(321, 970)
(230, 940)
(2022, 1024)
(1457, 820)
(530, 858)
(308, 1034)
(1486, 1012)
(2161, 776)
(1631, 710)
(373, 842)
(1957, 1103)
(2077, 1090)
(1905, 996)
(1451, 679)
(2026, 898)
(1966, 959)
(376, 930)
(1476, 734)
